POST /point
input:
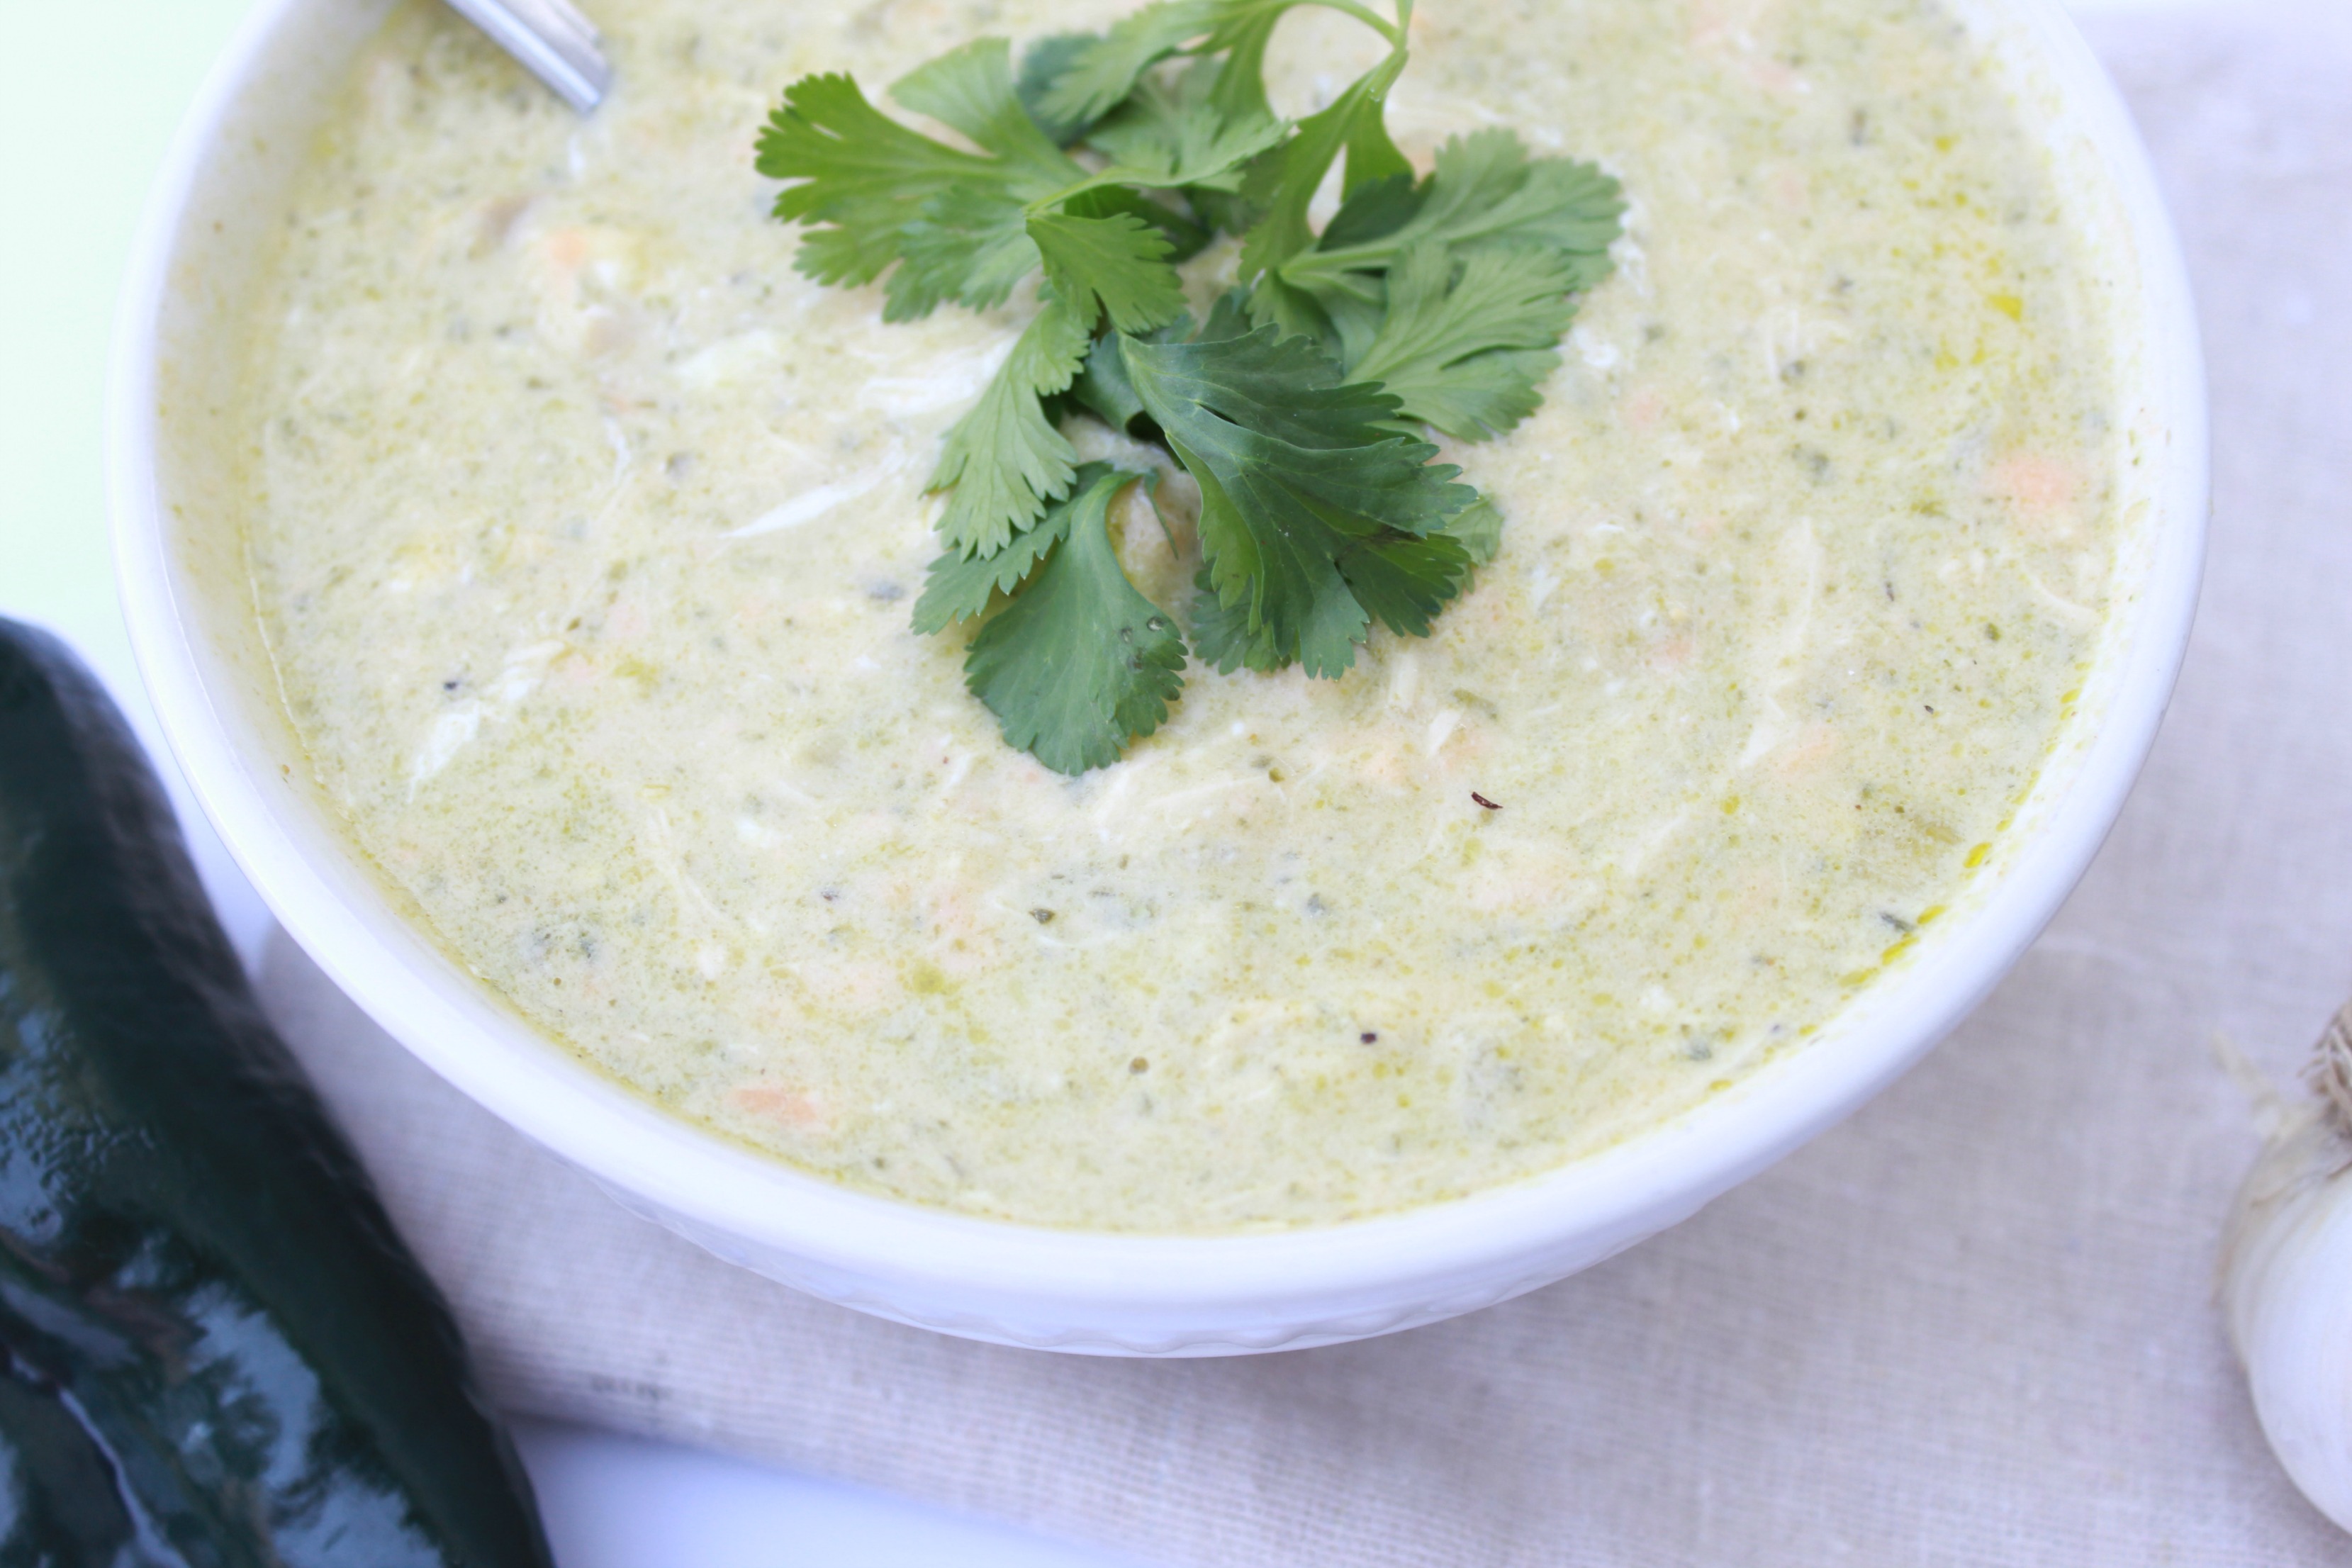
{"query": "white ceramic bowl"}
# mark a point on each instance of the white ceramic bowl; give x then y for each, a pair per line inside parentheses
(185, 589)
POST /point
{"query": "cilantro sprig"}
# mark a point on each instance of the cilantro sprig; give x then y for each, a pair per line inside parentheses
(1430, 301)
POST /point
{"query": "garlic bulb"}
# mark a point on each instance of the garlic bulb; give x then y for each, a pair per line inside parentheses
(2286, 1281)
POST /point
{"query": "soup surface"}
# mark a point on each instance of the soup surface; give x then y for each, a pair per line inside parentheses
(584, 531)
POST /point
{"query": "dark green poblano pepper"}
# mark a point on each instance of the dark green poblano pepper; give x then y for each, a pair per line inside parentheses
(218, 1353)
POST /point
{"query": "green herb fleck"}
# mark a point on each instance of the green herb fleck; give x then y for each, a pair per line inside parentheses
(1078, 663)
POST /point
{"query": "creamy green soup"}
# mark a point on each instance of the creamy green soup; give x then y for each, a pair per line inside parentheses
(584, 532)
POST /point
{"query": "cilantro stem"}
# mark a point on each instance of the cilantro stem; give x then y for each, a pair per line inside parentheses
(1114, 176)
(1391, 31)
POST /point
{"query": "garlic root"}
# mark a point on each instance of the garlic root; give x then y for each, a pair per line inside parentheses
(2286, 1281)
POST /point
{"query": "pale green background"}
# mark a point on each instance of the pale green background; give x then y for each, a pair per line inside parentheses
(90, 94)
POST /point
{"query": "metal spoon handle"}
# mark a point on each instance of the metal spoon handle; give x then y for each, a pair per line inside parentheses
(554, 42)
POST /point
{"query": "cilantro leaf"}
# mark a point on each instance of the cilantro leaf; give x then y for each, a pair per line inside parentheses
(1280, 186)
(1041, 63)
(1304, 492)
(1464, 347)
(1399, 580)
(1372, 156)
(1228, 318)
(1373, 209)
(1483, 395)
(1079, 662)
(1004, 459)
(1184, 236)
(1102, 388)
(1479, 528)
(1485, 193)
(1402, 581)
(1119, 262)
(1485, 190)
(1297, 313)
(971, 89)
(1175, 135)
(1352, 321)
(959, 588)
(1345, 307)
(1283, 182)
(1095, 78)
(1222, 634)
(970, 244)
(869, 191)
(861, 176)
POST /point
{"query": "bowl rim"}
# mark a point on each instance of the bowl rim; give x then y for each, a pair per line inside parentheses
(1618, 1194)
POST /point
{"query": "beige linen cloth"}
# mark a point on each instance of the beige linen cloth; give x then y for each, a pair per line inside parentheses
(1974, 1325)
